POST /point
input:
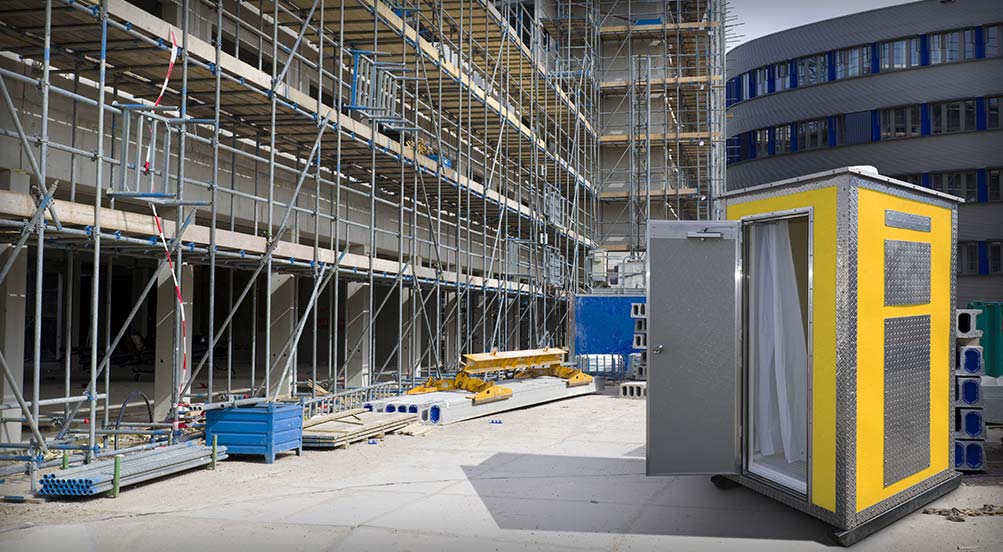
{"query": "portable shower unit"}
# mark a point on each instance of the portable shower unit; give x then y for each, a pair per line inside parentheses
(804, 346)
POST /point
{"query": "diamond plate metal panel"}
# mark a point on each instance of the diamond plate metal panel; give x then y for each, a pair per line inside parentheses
(907, 397)
(907, 221)
(846, 355)
(907, 273)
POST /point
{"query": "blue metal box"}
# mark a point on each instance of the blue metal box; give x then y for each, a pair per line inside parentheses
(264, 429)
(603, 324)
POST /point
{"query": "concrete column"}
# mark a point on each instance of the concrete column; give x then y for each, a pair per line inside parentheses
(163, 382)
(283, 325)
(416, 342)
(451, 345)
(12, 304)
(12, 314)
(358, 368)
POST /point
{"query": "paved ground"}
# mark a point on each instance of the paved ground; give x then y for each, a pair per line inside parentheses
(563, 476)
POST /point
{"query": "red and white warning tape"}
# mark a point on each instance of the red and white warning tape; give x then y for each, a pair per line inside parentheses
(163, 89)
(177, 293)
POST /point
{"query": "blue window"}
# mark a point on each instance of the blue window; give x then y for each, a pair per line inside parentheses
(899, 54)
(992, 37)
(952, 46)
(812, 70)
(781, 76)
(853, 62)
(762, 81)
(743, 87)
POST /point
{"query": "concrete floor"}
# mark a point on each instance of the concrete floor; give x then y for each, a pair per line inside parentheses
(564, 476)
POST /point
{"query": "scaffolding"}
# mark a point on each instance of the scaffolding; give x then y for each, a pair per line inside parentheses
(298, 198)
(662, 118)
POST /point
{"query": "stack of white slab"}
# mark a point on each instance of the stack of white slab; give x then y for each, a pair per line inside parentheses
(446, 407)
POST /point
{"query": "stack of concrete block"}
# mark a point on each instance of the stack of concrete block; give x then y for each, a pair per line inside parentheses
(637, 366)
(969, 416)
(634, 390)
(639, 312)
(637, 362)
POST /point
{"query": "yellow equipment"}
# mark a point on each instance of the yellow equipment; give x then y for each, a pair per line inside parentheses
(528, 363)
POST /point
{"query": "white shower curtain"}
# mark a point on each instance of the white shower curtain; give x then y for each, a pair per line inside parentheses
(779, 356)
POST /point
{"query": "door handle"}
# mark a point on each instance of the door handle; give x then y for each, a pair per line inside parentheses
(705, 235)
(657, 349)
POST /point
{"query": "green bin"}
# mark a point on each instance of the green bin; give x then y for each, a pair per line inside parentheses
(991, 324)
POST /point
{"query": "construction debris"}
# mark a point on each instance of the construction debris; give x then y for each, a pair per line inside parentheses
(959, 514)
(415, 430)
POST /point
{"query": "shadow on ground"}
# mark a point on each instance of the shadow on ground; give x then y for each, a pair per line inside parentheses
(612, 495)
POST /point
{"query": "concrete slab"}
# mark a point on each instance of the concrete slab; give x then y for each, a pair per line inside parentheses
(567, 475)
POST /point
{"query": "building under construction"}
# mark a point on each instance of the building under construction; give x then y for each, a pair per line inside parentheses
(221, 202)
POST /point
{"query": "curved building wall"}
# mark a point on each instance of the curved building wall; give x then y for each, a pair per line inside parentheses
(934, 122)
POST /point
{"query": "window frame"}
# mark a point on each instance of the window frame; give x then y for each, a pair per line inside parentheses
(781, 137)
(994, 192)
(967, 252)
(965, 186)
(762, 80)
(761, 137)
(993, 105)
(998, 27)
(820, 133)
(940, 116)
(743, 85)
(995, 249)
(821, 69)
(910, 52)
(941, 46)
(848, 68)
(781, 83)
(888, 122)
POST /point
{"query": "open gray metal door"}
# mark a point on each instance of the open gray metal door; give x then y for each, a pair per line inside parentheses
(694, 348)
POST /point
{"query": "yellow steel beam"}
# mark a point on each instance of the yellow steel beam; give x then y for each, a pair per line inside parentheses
(495, 361)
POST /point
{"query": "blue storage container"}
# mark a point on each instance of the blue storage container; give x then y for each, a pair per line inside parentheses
(260, 430)
(603, 325)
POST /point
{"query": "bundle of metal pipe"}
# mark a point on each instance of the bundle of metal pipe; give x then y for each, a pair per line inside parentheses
(97, 478)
